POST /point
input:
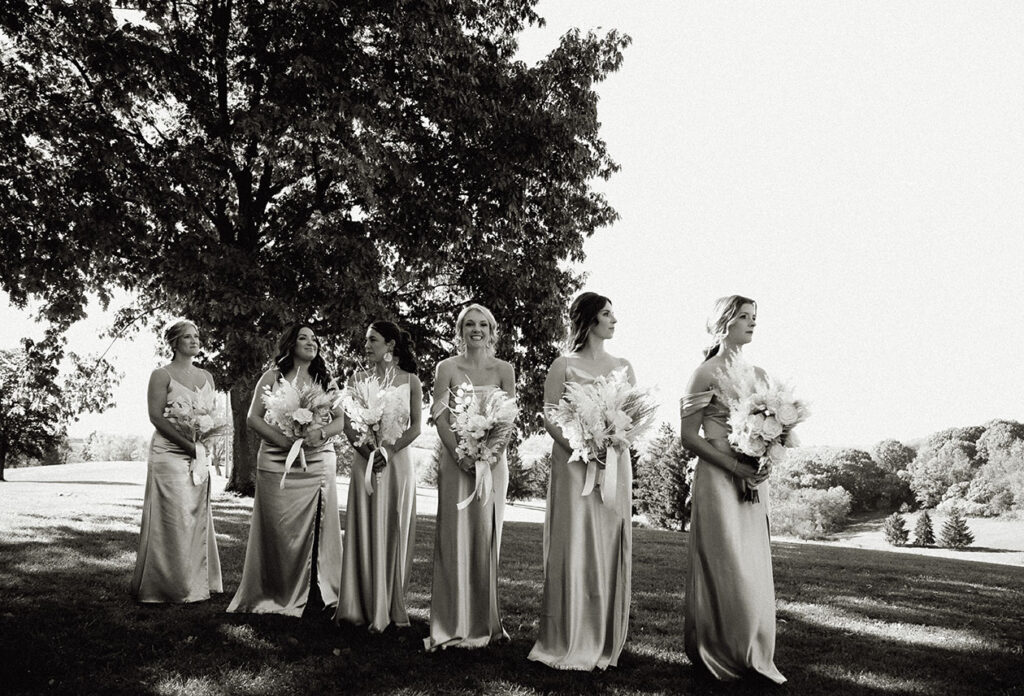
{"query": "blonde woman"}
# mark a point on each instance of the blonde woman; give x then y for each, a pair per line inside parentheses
(177, 559)
(464, 607)
(729, 624)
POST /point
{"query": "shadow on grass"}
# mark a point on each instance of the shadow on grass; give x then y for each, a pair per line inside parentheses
(852, 621)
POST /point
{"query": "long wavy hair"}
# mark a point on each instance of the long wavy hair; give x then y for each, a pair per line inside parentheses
(284, 361)
(723, 314)
(405, 349)
(583, 314)
(492, 339)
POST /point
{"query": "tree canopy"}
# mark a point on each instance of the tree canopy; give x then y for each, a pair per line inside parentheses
(253, 163)
(37, 402)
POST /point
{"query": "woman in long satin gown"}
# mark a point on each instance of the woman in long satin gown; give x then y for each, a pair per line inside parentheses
(464, 607)
(729, 625)
(295, 511)
(587, 543)
(380, 527)
(177, 559)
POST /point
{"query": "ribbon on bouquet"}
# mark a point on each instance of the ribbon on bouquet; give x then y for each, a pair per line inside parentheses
(609, 482)
(368, 475)
(199, 467)
(482, 488)
(294, 453)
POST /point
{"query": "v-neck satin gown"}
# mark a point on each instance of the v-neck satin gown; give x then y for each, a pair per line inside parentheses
(587, 565)
(177, 559)
(464, 607)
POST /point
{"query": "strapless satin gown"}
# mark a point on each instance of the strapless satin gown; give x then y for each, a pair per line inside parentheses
(177, 559)
(380, 533)
(729, 623)
(464, 607)
(279, 556)
(587, 565)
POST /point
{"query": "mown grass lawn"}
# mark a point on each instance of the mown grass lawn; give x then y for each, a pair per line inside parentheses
(851, 621)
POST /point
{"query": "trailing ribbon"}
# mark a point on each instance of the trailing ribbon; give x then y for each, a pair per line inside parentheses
(611, 476)
(295, 451)
(591, 478)
(607, 478)
(368, 476)
(482, 488)
(199, 467)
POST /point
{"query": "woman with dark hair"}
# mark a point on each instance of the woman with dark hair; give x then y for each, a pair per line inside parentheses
(729, 621)
(380, 527)
(587, 543)
(464, 608)
(177, 559)
(294, 548)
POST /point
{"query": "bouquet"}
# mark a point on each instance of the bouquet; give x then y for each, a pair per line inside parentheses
(603, 417)
(197, 418)
(296, 412)
(483, 424)
(762, 415)
(376, 409)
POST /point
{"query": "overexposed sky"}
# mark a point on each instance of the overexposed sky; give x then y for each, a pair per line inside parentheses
(855, 167)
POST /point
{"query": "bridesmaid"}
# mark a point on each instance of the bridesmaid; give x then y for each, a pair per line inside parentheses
(295, 529)
(464, 610)
(730, 595)
(587, 544)
(177, 559)
(380, 528)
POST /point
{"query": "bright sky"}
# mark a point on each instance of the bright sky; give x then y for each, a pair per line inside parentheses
(855, 167)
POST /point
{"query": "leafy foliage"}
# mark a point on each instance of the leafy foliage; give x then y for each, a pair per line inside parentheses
(37, 402)
(924, 535)
(945, 465)
(254, 163)
(809, 513)
(955, 533)
(871, 487)
(894, 529)
(662, 481)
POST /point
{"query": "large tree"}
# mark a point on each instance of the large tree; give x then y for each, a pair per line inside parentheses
(37, 402)
(250, 163)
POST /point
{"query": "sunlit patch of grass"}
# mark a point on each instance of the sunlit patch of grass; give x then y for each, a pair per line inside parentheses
(834, 618)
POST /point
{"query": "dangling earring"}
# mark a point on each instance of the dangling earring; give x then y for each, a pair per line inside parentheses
(387, 357)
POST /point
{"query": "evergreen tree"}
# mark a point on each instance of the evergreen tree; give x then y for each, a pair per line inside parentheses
(923, 534)
(895, 530)
(955, 533)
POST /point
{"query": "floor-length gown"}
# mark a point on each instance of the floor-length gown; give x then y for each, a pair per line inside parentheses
(380, 532)
(279, 556)
(177, 559)
(730, 593)
(587, 565)
(464, 608)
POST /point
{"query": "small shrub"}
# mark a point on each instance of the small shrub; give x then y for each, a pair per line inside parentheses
(809, 513)
(955, 533)
(895, 530)
(528, 480)
(923, 533)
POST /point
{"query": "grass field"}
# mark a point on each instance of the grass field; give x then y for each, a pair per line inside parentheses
(851, 621)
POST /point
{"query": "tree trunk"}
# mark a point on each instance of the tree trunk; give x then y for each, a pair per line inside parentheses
(244, 442)
(3, 461)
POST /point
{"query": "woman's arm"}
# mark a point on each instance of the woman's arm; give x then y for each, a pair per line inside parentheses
(257, 410)
(415, 415)
(554, 387)
(156, 402)
(442, 416)
(689, 433)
